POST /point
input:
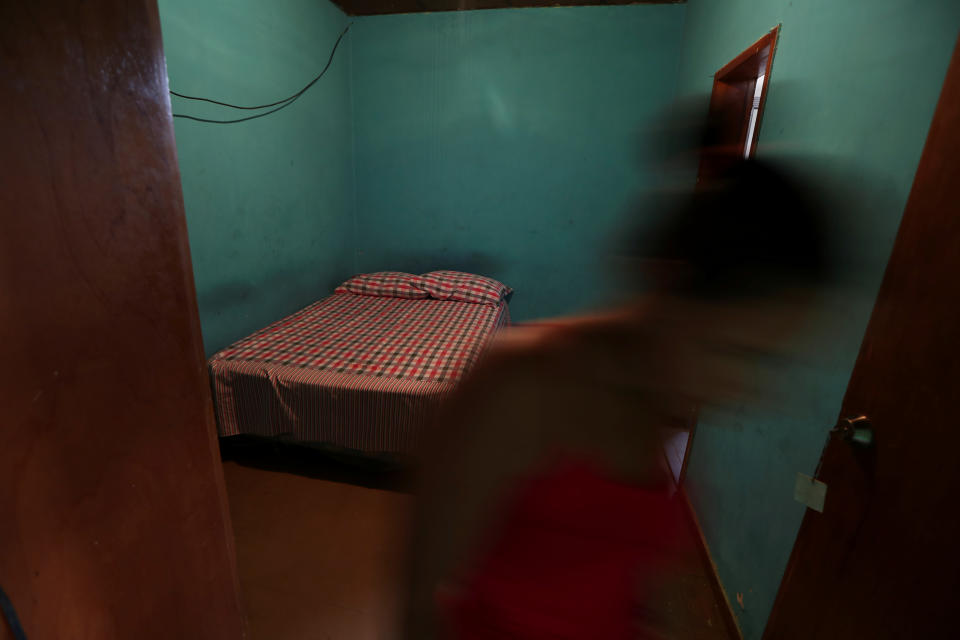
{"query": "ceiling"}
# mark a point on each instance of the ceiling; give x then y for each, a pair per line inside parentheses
(373, 7)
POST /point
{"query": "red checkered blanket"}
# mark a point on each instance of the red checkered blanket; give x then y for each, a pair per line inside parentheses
(354, 371)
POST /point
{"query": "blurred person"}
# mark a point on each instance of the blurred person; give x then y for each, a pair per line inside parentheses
(545, 507)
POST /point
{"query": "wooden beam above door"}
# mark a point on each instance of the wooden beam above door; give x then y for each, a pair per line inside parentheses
(375, 7)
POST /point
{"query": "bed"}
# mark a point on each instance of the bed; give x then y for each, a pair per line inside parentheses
(364, 369)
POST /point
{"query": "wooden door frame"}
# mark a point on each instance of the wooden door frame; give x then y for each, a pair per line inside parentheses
(741, 68)
(746, 67)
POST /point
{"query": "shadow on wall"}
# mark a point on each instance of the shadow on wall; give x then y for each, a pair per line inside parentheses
(232, 309)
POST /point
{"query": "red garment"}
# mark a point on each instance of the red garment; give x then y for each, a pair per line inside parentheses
(578, 557)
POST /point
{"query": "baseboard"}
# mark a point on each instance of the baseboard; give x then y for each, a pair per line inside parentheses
(729, 617)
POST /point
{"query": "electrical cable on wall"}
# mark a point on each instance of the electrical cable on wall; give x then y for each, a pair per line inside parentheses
(286, 102)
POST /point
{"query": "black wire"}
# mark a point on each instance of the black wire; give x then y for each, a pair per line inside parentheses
(227, 104)
(259, 115)
(286, 102)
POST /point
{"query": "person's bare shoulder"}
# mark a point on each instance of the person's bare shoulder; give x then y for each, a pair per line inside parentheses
(566, 335)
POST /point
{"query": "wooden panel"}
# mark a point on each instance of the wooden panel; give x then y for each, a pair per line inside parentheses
(881, 561)
(373, 7)
(113, 518)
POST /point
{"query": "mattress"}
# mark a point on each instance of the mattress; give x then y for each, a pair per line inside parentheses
(357, 372)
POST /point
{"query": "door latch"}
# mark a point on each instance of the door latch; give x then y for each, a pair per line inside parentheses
(858, 431)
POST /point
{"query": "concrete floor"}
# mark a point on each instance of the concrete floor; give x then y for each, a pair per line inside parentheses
(320, 544)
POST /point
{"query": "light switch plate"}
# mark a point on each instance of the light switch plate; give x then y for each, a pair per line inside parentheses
(810, 492)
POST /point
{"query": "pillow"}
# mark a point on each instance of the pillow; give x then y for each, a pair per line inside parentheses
(388, 284)
(464, 287)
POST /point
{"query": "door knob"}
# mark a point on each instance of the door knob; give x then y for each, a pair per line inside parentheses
(857, 430)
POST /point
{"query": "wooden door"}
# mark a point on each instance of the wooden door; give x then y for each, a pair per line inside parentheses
(113, 518)
(881, 561)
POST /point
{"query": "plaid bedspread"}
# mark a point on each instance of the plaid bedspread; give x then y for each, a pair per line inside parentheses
(353, 371)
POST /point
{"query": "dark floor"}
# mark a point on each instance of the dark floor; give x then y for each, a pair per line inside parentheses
(320, 542)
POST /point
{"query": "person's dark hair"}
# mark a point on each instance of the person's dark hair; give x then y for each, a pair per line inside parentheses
(751, 232)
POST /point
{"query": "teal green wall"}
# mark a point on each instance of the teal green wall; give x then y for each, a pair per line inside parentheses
(855, 82)
(269, 203)
(506, 142)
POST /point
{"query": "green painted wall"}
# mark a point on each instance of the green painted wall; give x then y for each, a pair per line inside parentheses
(855, 82)
(506, 142)
(269, 203)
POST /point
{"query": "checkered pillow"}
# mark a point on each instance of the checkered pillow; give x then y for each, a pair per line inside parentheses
(463, 287)
(386, 284)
